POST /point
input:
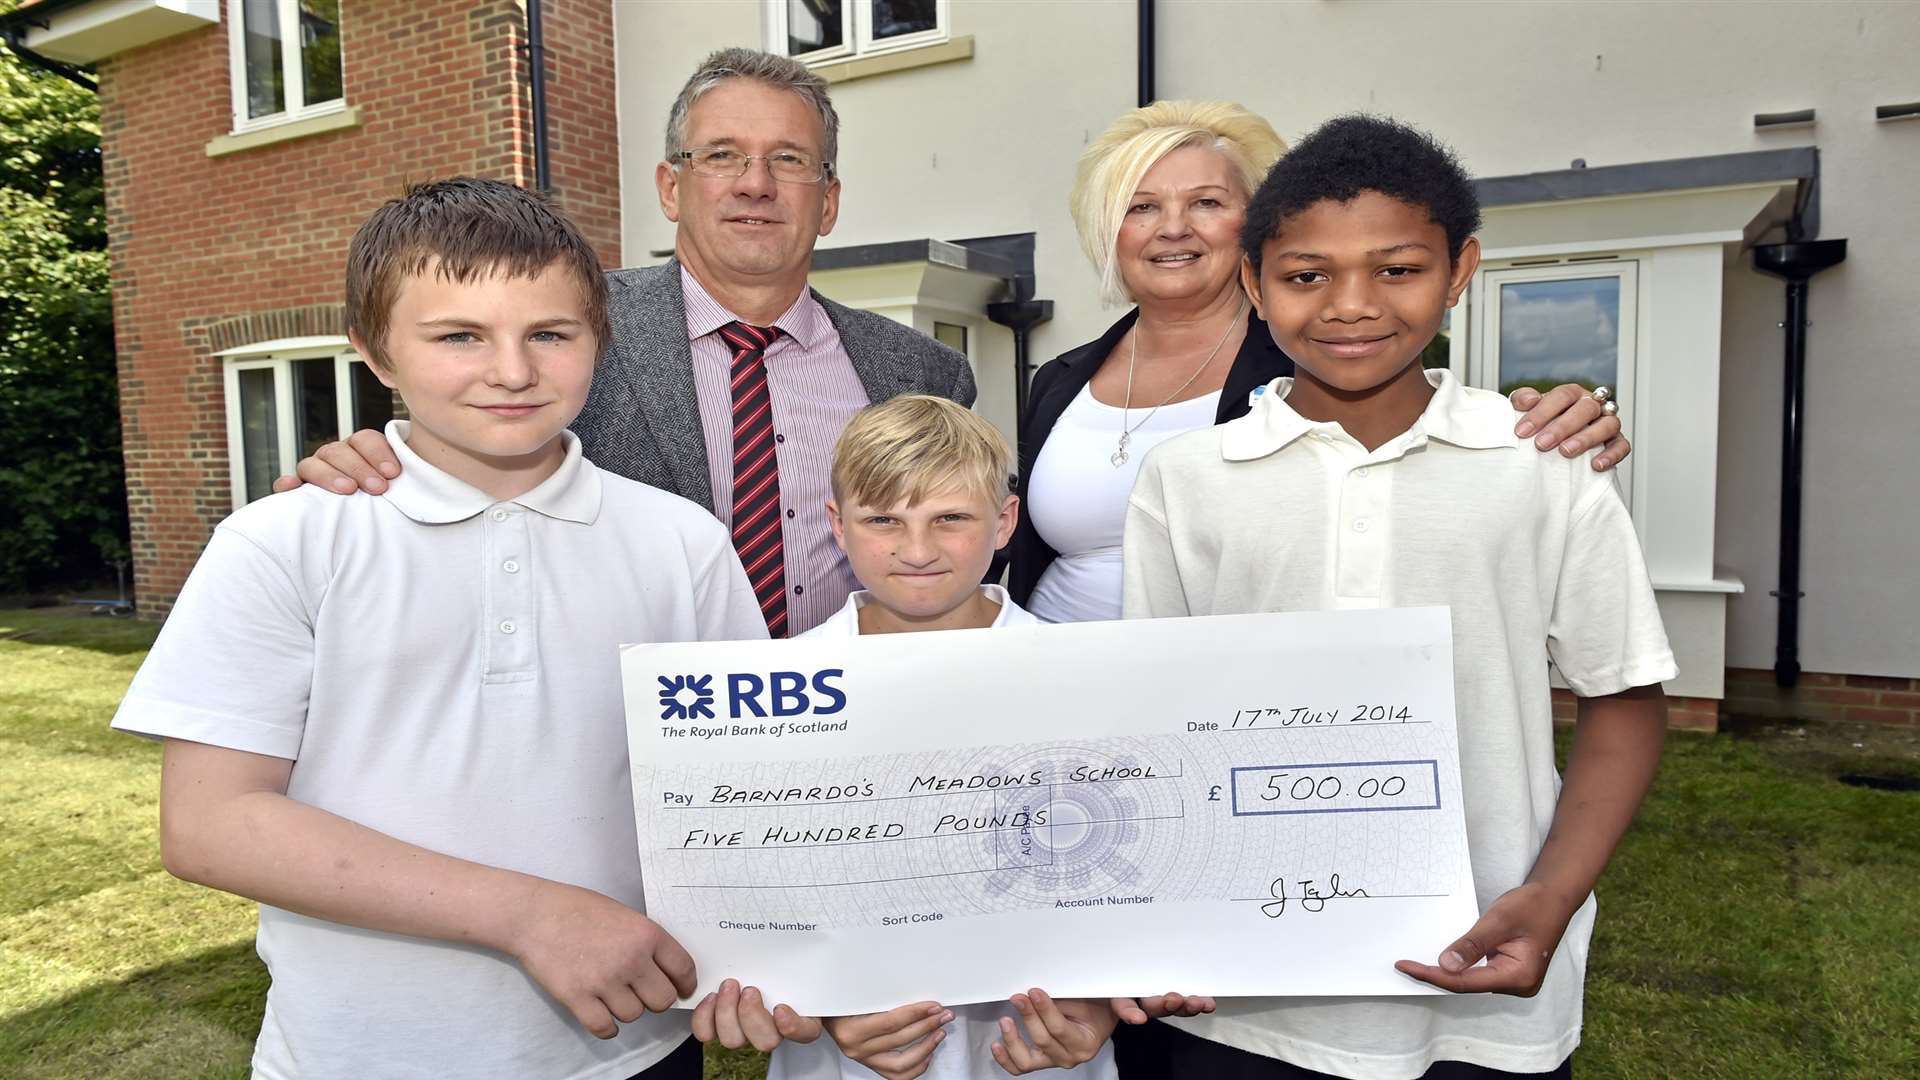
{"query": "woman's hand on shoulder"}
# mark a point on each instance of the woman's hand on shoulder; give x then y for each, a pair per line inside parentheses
(1568, 419)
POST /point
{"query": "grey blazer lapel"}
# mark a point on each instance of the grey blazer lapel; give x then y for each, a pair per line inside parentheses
(659, 366)
(878, 369)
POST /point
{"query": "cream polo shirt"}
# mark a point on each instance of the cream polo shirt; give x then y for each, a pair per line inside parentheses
(442, 667)
(966, 1052)
(1538, 560)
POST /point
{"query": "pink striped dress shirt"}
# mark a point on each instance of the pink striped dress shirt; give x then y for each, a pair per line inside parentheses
(814, 392)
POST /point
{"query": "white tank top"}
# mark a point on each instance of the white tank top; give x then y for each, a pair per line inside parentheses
(1077, 499)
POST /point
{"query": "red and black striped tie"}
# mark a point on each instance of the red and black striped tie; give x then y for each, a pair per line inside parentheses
(756, 473)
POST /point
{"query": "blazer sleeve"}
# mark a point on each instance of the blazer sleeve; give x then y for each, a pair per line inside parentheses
(963, 389)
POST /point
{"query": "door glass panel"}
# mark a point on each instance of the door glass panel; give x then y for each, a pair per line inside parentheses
(259, 432)
(320, 50)
(316, 416)
(372, 402)
(892, 18)
(1554, 332)
(813, 25)
(266, 83)
(952, 335)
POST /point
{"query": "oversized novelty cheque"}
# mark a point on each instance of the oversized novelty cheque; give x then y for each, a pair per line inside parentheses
(1229, 805)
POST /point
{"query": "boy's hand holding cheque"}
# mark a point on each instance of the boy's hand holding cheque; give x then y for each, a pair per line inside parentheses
(226, 822)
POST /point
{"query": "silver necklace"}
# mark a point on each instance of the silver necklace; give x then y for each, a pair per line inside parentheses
(1120, 456)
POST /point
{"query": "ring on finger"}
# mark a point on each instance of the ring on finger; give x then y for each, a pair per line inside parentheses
(1601, 393)
(1610, 408)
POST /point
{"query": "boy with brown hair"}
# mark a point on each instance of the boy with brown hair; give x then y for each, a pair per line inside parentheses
(396, 722)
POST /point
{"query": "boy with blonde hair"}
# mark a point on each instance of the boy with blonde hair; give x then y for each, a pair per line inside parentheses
(396, 722)
(920, 503)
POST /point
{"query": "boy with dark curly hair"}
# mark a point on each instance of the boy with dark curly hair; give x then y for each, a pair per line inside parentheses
(1366, 481)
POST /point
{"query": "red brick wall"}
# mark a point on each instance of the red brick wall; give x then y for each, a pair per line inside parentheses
(199, 242)
(1820, 696)
(1683, 713)
(583, 142)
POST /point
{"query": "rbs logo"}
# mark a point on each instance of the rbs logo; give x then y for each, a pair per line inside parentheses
(779, 693)
(784, 693)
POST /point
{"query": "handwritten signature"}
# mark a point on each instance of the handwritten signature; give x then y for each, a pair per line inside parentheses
(1311, 896)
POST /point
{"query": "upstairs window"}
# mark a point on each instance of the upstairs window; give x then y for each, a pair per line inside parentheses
(286, 60)
(821, 30)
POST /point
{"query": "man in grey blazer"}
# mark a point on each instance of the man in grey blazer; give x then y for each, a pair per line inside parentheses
(748, 179)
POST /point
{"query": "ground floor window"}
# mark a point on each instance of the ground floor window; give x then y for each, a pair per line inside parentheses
(282, 403)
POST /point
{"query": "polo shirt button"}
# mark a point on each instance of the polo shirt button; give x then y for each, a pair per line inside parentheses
(798, 589)
(506, 627)
(789, 513)
(1360, 525)
(779, 438)
(510, 566)
(1361, 473)
(499, 515)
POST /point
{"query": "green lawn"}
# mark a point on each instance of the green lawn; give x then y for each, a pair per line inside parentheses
(1762, 920)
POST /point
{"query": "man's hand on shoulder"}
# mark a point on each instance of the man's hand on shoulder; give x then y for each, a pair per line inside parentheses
(363, 461)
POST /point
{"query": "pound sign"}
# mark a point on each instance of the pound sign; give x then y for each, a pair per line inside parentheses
(1214, 794)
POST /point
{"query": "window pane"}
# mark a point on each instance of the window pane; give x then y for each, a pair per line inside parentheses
(259, 432)
(1560, 331)
(891, 18)
(813, 25)
(320, 50)
(266, 84)
(315, 408)
(952, 335)
(372, 402)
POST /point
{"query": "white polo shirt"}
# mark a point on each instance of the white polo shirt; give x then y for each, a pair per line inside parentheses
(1537, 558)
(966, 1053)
(442, 667)
(846, 621)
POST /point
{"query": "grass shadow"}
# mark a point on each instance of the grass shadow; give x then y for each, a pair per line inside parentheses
(76, 629)
(196, 1017)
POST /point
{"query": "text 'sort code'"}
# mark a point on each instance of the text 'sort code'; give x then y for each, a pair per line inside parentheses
(1339, 787)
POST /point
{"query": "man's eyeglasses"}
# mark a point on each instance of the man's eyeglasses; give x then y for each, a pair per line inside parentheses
(791, 166)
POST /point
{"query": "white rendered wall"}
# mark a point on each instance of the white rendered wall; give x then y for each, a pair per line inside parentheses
(987, 146)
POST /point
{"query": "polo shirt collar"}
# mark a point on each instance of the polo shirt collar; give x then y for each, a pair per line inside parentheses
(1452, 416)
(431, 496)
(805, 322)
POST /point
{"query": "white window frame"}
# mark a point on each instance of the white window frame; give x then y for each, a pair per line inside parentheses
(280, 359)
(856, 30)
(1482, 350)
(292, 72)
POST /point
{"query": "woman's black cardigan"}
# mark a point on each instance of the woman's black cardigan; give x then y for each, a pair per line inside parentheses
(1055, 385)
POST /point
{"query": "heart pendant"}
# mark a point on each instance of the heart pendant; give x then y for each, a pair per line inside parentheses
(1119, 458)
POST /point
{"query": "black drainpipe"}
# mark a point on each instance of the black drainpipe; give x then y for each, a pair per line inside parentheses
(1796, 261)
(537, 83)
(1145, 8)
(16, 43)
(1020, 316)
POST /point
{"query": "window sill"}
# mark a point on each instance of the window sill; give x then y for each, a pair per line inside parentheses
(861, 67)
(293, 129)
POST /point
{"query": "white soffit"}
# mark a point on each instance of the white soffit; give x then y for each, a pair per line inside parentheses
(88, 33)
(1654, 219)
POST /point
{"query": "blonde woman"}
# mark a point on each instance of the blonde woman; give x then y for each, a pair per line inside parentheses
(1159, 200)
